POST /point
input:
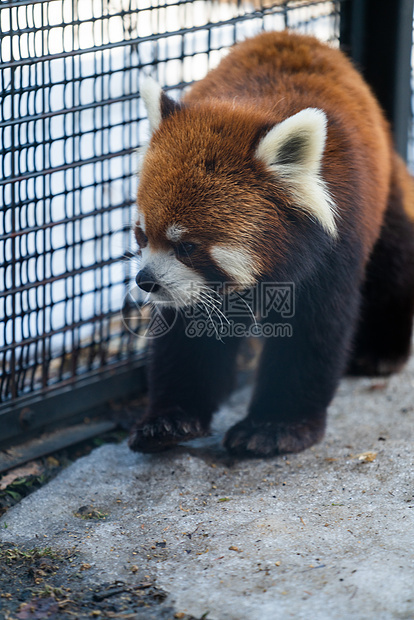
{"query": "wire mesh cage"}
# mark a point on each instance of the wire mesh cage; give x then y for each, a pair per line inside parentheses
(70, 123)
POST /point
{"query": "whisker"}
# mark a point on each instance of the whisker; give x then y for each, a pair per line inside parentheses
(215, 304)
(211, 319)
(207, 305)
(247, 305)
(206, 299)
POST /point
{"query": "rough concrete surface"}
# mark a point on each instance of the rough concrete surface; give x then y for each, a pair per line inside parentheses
(326, 534)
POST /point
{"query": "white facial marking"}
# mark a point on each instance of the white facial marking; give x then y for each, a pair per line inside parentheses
(141, 220)
(180, 285)
(140, 153)
(236, 262)
(294, 150)
(175, 232)
(150, 92)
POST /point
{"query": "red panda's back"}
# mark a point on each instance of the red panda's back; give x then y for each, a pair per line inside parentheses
(281, 73)
(284, 72)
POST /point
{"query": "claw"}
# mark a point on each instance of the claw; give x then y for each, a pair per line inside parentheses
(267, 439)
(164, 432)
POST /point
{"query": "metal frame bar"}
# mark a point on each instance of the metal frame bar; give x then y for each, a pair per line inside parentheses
(31, 415)
(377, 34)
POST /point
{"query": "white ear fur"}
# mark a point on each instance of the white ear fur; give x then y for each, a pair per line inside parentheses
(150, 92)
(294, 149)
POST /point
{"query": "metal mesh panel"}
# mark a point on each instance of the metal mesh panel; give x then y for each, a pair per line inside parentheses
(410, 145)
(70, 123)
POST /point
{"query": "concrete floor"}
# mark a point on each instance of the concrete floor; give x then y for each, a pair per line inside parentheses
(326, 534)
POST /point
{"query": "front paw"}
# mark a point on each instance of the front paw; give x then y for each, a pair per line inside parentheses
(265, 439)
(162, 432)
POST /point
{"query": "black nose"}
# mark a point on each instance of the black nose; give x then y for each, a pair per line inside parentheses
(145, 280)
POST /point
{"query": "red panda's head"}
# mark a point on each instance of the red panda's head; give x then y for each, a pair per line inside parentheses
(221, 188)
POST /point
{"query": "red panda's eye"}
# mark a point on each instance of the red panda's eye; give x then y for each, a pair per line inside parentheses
(141, 237)
(184, 249)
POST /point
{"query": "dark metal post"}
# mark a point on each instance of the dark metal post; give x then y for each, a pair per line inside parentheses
(377, 35)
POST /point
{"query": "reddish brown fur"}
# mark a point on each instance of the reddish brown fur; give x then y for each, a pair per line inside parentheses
(176, 185)
(291, 72)
(318, 76)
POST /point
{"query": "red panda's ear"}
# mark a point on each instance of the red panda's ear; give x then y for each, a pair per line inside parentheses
(293, 149)
(157, 103)
(297, 141)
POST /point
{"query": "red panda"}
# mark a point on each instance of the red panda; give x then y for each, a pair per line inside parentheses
(278, 166)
